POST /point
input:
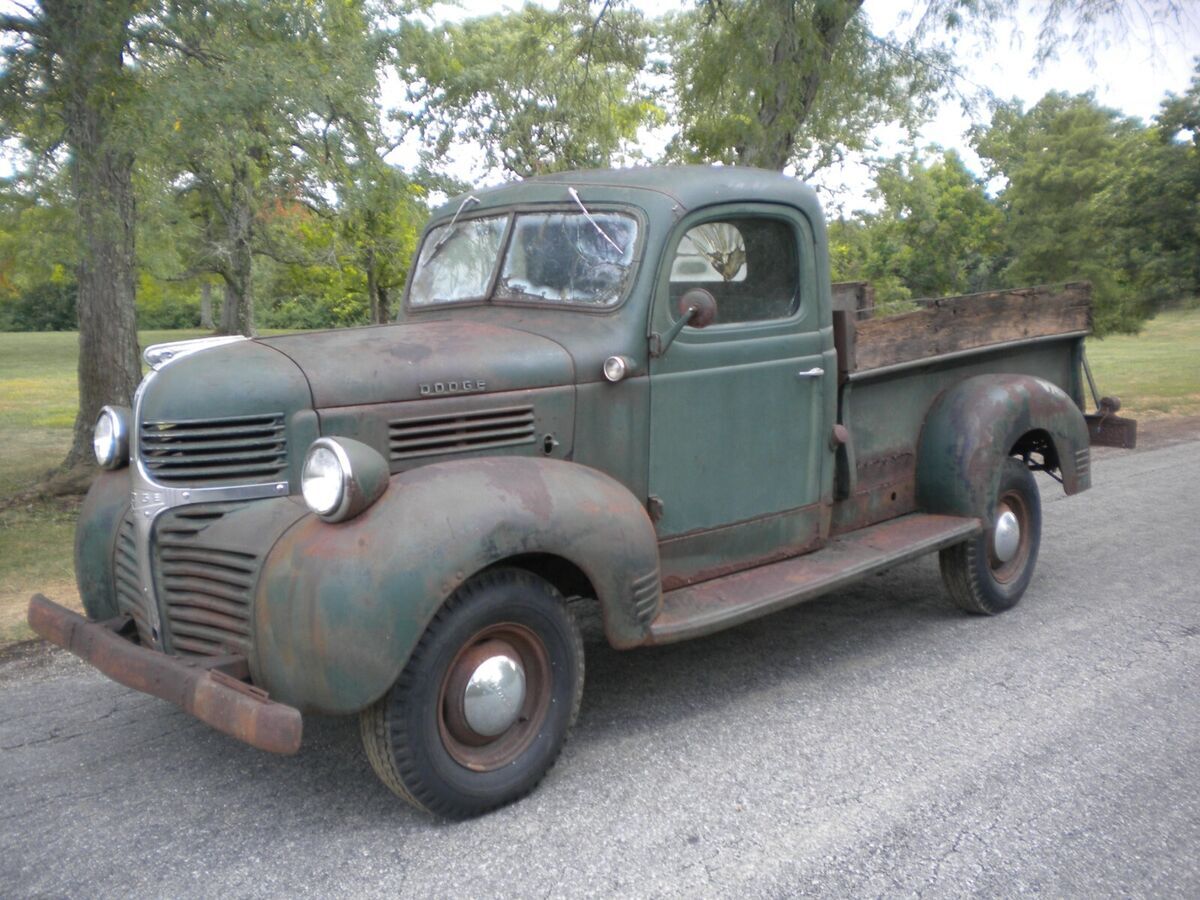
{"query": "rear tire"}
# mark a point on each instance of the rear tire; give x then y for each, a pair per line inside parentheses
(420, 737)
(976, 577)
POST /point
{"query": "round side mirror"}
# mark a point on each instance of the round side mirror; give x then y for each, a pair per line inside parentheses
(703, 306)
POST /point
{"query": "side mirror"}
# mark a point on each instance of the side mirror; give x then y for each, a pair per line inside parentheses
(697, 308)
(703, 307)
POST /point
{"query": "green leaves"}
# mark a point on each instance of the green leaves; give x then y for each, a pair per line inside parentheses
(538, 90)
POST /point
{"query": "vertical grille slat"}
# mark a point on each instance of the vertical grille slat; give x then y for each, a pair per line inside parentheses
(206, 588)
(458, 432)
(236, 450)
(131, 599)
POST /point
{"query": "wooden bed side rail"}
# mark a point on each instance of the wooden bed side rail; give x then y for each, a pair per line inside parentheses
(952, 325)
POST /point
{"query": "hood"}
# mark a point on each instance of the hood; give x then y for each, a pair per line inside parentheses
(411, 361)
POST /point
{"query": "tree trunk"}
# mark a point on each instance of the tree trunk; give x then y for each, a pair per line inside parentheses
(384, 304)
(102, 181)
(206, 313)
(784, 110)
(372, 286)
(237, 316)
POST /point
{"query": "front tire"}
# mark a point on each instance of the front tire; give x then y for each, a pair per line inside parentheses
(483, 707)
(989, 573)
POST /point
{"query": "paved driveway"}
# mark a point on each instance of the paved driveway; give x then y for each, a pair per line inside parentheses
(873, 743)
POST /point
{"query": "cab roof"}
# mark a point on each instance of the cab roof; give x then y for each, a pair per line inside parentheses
(688, 187)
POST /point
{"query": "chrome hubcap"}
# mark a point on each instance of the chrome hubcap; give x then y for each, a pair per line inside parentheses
(494, 695)
(1006, 539)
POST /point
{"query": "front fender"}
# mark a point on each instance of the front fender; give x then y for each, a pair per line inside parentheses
(974, 425)
(339, 608)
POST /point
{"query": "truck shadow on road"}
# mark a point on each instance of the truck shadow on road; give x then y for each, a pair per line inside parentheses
(876, 625)
(635, 703)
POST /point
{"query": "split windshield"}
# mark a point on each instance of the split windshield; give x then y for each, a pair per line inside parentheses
(555, 257)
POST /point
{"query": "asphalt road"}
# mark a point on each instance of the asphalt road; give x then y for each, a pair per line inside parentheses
(876, 742)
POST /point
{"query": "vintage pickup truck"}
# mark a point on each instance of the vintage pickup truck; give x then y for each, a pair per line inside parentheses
(628, 388)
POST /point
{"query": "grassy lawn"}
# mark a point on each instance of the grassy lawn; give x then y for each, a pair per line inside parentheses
(1156, 374)
(38, 400)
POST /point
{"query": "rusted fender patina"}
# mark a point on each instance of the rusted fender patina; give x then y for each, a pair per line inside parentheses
(974, 425)
(339, 608)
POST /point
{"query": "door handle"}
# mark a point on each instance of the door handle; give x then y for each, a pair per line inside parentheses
(815, 372)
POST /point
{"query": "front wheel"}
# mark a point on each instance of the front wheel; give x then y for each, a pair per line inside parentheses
(989, 573)
(481, 711)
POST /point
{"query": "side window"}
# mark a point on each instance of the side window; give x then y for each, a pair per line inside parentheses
(750, 265)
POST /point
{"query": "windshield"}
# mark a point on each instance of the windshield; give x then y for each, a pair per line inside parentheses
(558, 257)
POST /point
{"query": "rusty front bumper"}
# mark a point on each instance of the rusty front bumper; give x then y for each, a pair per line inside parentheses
(198, 686)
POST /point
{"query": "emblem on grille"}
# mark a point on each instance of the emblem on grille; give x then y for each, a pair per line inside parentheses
(148, 502)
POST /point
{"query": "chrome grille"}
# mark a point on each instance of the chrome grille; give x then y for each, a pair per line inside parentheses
(205, 589)
(131, 599)
(456, 432)
(236, 450)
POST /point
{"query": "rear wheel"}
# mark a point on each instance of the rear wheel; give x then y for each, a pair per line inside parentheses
(989, 573)
(481, 711)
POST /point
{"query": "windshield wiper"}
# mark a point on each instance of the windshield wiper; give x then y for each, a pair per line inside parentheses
(575, 196)
(470, 198)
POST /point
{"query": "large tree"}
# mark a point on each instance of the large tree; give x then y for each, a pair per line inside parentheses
(936, 233)
(538, 90)
(1060, 159)
(65, 84)
(773, 83)
(804, 83)
(266, 123)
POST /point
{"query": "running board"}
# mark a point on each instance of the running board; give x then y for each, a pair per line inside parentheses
(723, 602)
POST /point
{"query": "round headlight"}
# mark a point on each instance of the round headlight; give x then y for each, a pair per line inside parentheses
(110, 438)
(325, 478)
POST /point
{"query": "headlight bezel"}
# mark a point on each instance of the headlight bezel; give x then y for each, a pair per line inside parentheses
(337, 510)
(116, 452)
(363, 476)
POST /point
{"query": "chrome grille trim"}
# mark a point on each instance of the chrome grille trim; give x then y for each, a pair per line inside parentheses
(484, 429)
(233, 450)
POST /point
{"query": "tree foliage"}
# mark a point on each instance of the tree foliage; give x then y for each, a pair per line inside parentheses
(258, 125)
(65, 87)
(538, 90)
(937, 232)
(1061, 160)
(773, 83)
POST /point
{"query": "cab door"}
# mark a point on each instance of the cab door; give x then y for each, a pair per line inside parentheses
(740, 468)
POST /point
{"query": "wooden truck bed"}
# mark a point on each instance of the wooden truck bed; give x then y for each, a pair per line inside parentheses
(952, 325)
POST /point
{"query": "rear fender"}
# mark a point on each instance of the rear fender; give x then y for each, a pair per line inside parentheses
(341, 607)
(974, 425)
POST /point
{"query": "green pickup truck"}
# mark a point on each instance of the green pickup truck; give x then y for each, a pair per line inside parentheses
(631, 388)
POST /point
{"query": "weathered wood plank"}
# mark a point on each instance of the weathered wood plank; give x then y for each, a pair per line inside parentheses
(843, 342)
(973, 321)
(854, 297)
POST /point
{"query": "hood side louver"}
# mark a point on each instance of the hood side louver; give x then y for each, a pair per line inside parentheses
(459, 432)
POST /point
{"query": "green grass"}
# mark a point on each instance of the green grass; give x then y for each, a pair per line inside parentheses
(1156, 374)
(38, 400)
